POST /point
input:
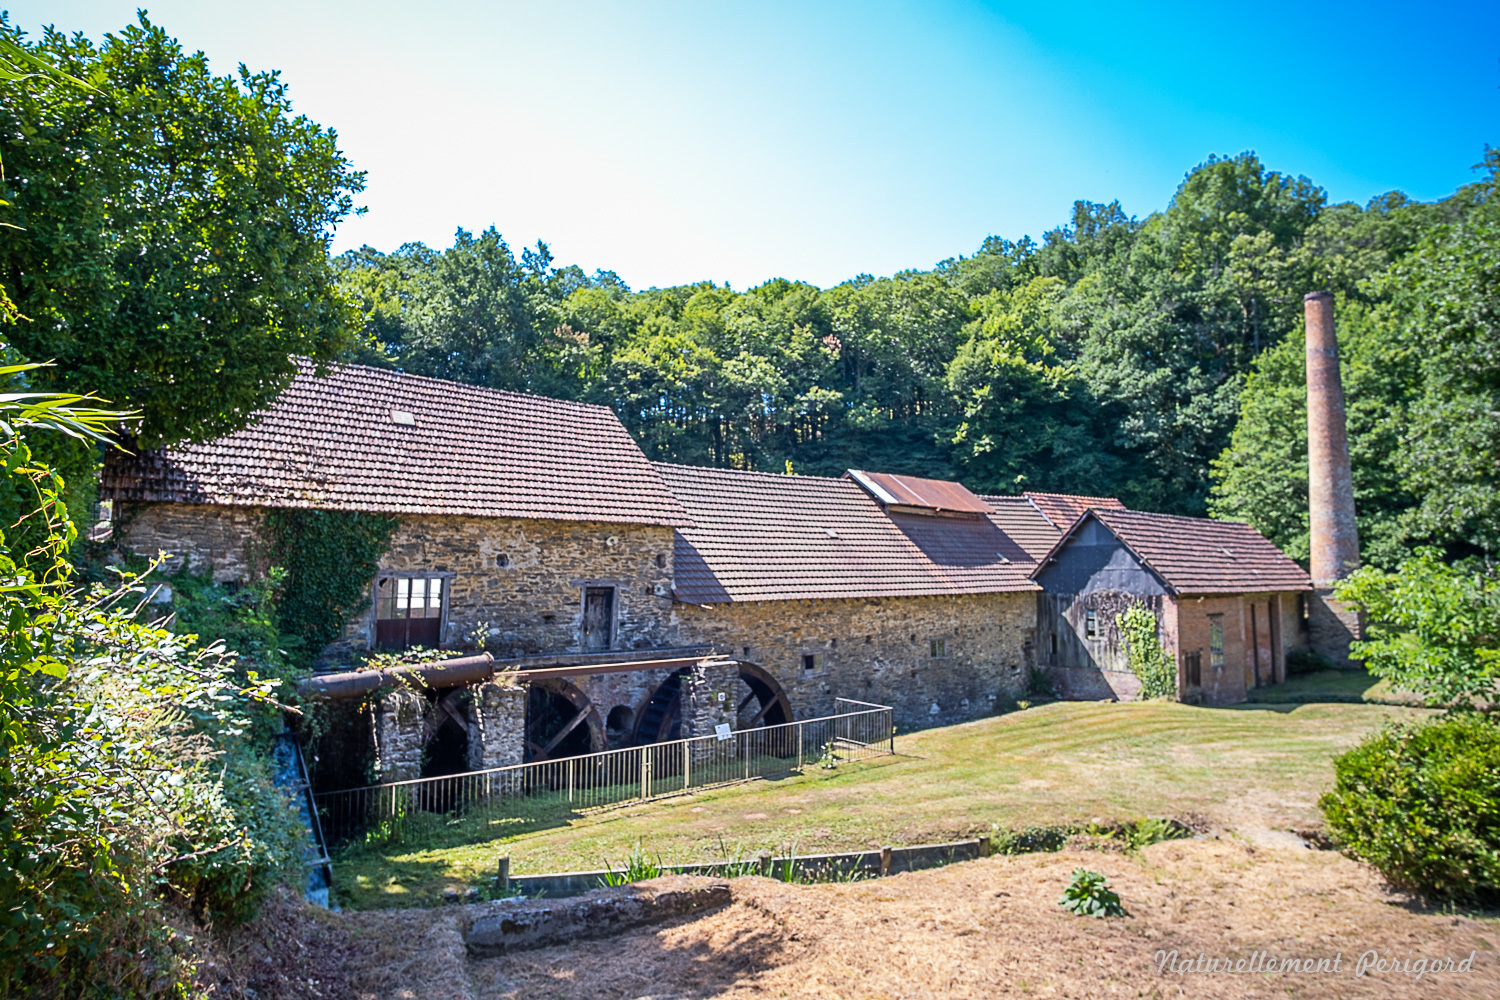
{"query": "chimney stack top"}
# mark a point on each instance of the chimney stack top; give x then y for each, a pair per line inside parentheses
(1310, 296)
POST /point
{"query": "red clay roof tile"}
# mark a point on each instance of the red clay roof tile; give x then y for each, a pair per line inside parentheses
(1062, 509)
(381, 441)
(1194, 555)
(761, 536)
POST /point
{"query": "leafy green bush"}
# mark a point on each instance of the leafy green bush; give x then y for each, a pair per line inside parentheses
(1151, 830)
(1147, 659)
(1422, 804)
(1434, 628)
(1088, 894)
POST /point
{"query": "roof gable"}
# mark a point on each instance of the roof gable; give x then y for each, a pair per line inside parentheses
(1194, 555)
(380, 441)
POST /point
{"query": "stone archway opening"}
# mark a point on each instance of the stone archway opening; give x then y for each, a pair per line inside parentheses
(618, 726)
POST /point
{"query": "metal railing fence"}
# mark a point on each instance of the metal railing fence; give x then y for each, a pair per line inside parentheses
(477, 805)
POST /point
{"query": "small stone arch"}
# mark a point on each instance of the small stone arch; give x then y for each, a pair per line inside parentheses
(618, 725)
(561, 721)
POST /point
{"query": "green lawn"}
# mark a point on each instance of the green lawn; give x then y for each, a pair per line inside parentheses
(1332, 686)
(1061, 763)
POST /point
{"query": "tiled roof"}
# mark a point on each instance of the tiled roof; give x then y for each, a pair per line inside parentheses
(1062, 509)
(1019, 518)
(1194, 555)
(762, 537)
(374, 440)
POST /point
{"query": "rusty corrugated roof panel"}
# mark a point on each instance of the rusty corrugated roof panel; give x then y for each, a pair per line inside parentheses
(373, 440)
(1062, 509)
(910, 491)
(760, 536)
(1194, 555)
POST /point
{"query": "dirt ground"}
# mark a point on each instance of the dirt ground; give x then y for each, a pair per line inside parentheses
(984, 928)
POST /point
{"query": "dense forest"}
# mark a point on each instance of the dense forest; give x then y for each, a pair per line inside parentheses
(1115, 356)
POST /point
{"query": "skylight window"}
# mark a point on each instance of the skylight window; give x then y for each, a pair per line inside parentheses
(405, 418)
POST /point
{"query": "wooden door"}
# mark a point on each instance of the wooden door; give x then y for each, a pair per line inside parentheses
(598, 617)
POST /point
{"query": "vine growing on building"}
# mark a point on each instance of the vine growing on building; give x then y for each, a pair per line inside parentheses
(330, 557)
(1147, 659)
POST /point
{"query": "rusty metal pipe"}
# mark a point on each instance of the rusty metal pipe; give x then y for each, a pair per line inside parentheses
(356, 683)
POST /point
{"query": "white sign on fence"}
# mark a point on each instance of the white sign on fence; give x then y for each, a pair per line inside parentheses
(722, 732)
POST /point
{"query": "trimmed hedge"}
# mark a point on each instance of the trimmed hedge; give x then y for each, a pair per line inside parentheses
(1422, 804)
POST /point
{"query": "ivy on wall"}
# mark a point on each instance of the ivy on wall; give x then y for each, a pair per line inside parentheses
(1147, 659)
(330, 557)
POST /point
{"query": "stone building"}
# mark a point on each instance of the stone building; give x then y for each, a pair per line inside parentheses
(903, 591)
(1228, 604)
(627, 603)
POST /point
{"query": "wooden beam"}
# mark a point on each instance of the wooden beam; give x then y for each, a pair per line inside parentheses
(572, 725)
(761, 714)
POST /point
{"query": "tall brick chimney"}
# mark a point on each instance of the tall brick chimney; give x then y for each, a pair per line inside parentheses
(1334, 536)
(1330, 485)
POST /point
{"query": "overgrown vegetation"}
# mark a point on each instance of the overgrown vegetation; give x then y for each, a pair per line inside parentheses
(1422, 804)
(329, 557)
(1147, 659)
(639, 866)
(1132, 835)
(129, 779)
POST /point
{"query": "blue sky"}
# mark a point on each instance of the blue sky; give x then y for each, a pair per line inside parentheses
(676, 142)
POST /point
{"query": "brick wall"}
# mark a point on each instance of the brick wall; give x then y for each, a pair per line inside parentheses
(1225, 686)
(879, 650)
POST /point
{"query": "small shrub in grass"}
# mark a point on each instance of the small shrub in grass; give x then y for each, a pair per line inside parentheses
(1151, 830)
(1422, 804)
(1029, 839)
(1088, 894)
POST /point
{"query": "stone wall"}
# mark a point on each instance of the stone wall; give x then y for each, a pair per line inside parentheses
(531, 604)
(879, 650)
(204, 538)
(534, 603)
(400, 734)
(493, 715)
